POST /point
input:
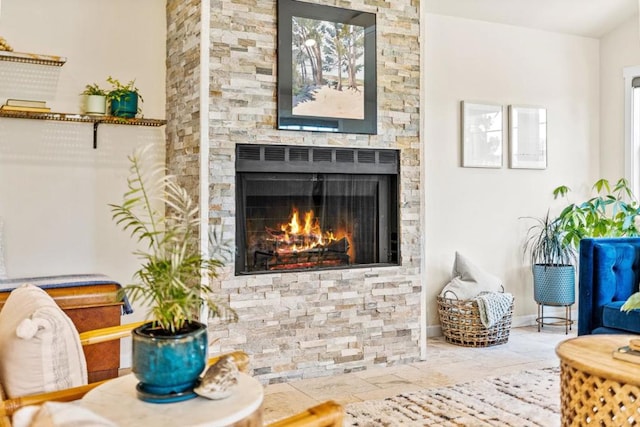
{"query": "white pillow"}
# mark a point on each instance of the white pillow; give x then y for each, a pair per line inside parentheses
(58, 414)
(3, 268)
(40, 348)
(469, 280)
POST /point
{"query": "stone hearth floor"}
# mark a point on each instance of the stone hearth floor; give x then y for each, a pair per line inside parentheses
(446, 364)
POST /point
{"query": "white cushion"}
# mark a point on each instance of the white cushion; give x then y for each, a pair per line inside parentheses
(40, 348)
(58, 414)
(469, 280)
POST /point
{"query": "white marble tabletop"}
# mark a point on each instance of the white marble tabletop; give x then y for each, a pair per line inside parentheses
(117, 401)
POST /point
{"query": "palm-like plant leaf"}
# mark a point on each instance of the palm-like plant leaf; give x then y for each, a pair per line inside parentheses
(174, 277)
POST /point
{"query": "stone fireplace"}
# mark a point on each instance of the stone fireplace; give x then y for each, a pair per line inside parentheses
(345, 304)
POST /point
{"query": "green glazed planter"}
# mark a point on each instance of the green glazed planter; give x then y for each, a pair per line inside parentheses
(168, 366)
(126, 106)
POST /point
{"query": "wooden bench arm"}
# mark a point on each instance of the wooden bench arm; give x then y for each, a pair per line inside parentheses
(108, 334)
(9, 406)
(326, 414)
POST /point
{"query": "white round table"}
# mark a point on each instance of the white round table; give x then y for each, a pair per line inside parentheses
(117, 400)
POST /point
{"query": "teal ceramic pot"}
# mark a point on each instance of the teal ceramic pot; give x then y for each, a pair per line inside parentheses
(168, 366)
(554, 284)
(126, 106)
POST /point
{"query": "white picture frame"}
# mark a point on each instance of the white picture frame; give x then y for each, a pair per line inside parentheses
(527, 137)
(482, 134)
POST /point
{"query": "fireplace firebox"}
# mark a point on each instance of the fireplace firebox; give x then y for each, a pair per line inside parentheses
(307, 208)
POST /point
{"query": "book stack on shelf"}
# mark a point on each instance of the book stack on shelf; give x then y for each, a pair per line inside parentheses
(630, 353)
(25, 105)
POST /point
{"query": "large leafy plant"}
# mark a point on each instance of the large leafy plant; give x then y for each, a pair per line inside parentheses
(174, 278)
(611, 212)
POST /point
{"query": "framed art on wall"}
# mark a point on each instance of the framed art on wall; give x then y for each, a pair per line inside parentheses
(482, 134)
(527, 137)
(326, 68)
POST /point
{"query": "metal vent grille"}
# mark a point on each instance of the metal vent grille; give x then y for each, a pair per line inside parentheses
(387, 157)
(300, 159)
(345, 156)
(249, 152)
(321, 155)
(274, 154)
(366, 156)
(298, 154)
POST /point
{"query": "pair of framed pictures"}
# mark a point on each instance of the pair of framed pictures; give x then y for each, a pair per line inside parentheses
(483, 134)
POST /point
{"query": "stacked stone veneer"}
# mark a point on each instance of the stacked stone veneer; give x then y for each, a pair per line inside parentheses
(312, 323)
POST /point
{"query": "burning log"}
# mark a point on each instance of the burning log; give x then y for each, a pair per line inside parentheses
(300, 244)
(335, 253)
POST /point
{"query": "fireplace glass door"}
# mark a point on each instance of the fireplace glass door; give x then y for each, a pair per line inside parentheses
(292, 216)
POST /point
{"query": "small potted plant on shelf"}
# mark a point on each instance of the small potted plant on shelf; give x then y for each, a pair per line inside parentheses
(95, 99)
(552, 261)
(169, 353)
(124, 98)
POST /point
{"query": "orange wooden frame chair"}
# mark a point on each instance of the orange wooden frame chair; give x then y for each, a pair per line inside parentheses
(9, 406)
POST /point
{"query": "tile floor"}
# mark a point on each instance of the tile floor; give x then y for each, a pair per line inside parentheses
(446, 364)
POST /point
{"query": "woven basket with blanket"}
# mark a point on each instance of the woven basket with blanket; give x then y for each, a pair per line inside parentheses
(473, 308)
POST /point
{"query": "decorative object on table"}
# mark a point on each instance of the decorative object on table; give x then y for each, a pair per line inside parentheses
(552, 260)
(326, 68)
(482, 134)
(95, 99)
(630, 353)
(170, 352)
(219, 380)
(527, 137)
(4, 46)
(123, 98)
(473, 309)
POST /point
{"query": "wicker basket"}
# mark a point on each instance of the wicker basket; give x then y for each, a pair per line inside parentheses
(461, 324)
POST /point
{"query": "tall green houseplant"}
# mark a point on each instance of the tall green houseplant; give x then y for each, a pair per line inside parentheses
(611, 212)
(552, 261)
(169, 353)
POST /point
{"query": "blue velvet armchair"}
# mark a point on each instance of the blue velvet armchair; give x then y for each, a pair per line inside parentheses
(609, 272)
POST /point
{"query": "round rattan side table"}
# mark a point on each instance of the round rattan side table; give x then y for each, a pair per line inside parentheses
(595, 388)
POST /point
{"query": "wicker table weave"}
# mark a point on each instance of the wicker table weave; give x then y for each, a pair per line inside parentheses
(595, 388)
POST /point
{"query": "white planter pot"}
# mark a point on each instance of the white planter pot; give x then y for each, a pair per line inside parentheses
(95, 104)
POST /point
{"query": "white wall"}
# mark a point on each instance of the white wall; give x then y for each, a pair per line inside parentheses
(477, 211)
(618, 49)
(54, 187)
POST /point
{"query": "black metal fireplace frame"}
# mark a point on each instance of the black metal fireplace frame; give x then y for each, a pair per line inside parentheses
(266, 162)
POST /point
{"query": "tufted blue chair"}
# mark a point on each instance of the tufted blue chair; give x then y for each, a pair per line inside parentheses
(609, 273)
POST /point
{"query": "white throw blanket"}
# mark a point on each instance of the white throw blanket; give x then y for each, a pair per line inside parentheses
(493, 306)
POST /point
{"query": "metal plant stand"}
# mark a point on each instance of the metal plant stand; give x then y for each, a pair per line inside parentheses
(565, 321)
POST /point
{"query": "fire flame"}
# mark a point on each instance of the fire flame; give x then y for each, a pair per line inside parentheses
(299, 235)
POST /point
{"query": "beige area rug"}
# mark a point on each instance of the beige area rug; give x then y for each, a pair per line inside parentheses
(528, 398)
